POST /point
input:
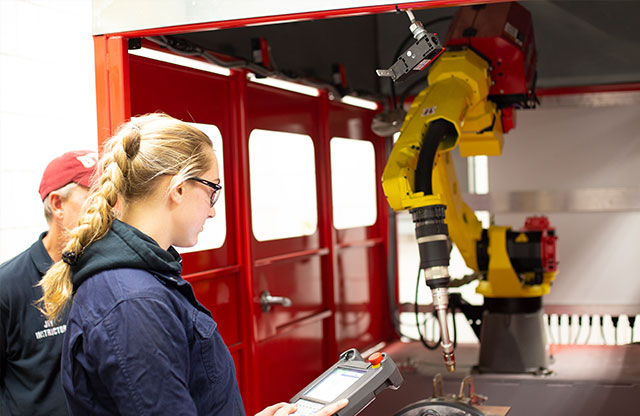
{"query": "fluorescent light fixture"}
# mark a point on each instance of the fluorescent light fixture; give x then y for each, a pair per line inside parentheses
(360, 102)
(285, 85)
(180, 60)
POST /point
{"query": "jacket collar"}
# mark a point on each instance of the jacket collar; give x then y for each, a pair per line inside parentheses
(124, 246)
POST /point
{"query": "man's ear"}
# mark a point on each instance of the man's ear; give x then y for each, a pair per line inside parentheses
(55, 202)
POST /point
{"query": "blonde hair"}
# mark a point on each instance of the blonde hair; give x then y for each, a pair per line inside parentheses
(142, 150)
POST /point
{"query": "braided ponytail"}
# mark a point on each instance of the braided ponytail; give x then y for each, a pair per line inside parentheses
(142, 150)
(93, 224)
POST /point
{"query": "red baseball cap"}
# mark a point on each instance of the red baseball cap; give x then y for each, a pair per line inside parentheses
(77, 166)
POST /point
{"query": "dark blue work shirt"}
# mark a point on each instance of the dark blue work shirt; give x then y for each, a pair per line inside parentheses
(30, 344)
(139, 343)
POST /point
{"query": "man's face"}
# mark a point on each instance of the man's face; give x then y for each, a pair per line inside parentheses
(71, 207)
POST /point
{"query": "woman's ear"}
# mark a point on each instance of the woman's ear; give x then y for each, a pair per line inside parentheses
(176, 193)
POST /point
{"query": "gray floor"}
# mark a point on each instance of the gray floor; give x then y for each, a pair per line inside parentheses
(585, 380)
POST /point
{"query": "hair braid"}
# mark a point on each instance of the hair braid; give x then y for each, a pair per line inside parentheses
(95, 222)
(140, 152)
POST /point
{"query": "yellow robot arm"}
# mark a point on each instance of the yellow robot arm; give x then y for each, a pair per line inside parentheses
(458, 83)
(420, 177)
(454, 110)
(457, 98)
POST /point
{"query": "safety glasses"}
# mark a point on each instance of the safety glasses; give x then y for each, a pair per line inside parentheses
(215, 189)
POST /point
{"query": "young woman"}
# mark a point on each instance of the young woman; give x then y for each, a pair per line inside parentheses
(137, 340)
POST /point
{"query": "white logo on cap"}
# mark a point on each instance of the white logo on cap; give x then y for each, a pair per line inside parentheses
(89, 160)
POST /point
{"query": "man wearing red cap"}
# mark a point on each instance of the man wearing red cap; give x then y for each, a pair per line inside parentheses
(30, 345)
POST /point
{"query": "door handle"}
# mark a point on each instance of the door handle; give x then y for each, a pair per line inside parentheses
(267, 301)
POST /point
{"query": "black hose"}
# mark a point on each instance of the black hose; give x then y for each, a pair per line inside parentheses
(392, 257)
(437, 131)
(394, 100)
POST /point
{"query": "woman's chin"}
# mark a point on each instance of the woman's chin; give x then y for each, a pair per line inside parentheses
(187, 243)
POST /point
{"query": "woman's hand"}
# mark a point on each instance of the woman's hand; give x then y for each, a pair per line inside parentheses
(278, 409)
(284, 409)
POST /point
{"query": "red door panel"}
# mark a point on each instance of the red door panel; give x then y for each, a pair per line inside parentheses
(290, 267)
(300, 281)
(279, 110)
(184, 93)
(202, 97)
(290, 361)
(193, 96)
(360, 310)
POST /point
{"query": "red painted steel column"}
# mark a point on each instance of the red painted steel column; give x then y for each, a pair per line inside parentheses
(239, 186)
(327, 232)
(119, 92)
(102, 88)
(113, 99)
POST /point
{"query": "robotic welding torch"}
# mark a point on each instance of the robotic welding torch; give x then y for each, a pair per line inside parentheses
(432, 236)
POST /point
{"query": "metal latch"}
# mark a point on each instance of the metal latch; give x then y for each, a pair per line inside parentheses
(267, 301)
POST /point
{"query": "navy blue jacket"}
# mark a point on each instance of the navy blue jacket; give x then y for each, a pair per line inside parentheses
(30, 345)
(138, 342)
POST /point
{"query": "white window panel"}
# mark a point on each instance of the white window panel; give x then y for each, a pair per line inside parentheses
(283, 185)
(353, 183)
(215, 229)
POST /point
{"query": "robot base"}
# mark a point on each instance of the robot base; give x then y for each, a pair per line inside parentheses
(513, 340)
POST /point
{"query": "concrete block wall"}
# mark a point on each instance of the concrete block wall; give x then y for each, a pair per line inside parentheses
(573, 148)
(47, 105)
